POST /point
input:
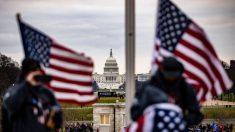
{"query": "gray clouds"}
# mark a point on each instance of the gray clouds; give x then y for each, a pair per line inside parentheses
(95, 26)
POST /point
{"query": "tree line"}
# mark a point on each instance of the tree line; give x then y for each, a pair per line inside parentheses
(9, 70)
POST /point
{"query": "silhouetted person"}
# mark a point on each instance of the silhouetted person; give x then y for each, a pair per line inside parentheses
(30, 107)
(169, 80)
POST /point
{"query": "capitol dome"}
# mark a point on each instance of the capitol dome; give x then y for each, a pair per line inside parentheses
(110, 79)
(111, 65)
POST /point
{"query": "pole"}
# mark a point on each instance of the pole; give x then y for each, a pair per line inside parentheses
(114, 118)
(130, 55)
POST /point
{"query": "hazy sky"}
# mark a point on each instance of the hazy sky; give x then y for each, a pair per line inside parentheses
(95, 26)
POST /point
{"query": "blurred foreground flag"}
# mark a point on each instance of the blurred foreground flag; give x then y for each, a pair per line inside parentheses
(178, 36)
(71, 72)
(162, 117)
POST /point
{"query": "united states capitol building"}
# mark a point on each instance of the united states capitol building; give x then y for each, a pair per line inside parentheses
(111, 79)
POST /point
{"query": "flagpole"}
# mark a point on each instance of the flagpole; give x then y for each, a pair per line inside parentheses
(153, 68)
(130, 55)
(18, 19)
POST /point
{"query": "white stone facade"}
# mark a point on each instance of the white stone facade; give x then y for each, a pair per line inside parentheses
(111, 79)
(114, 113)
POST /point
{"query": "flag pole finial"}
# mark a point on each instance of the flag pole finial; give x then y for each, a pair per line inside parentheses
(18, 17)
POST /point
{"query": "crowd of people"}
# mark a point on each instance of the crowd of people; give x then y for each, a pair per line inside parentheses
(212, 127)
(76, 127)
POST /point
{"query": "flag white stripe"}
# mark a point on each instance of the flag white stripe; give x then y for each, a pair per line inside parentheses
(157, 55)
(155, 66)
(165, 53)
(70, 66)
(191, 81)
(69, 76)
(157, 41)
(196, 57)
(74, 96)
(70, 86)
(196, 29)
(148, 117)
(197, 43)
(217, 88)
(133, 127)
(154, 69)
(68, 54)
(200, 93)
(208, 95)
(228, 83)
(197, 72)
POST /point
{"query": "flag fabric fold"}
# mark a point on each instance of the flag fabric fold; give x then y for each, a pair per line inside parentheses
(179, 36)
(71, 71)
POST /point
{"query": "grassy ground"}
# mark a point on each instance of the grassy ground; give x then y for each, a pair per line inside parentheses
(100, 100)
(85, 112)
(110, 100)
(219, 113)
(227, 97)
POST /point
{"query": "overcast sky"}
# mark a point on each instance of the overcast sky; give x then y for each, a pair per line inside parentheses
(96, 26)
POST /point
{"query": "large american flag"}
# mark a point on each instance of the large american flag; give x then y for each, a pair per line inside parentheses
(71, 72)
(162, 117)
(182, 38)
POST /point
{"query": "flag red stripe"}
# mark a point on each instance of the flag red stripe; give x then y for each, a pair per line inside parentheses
(80, 72)
(157, 47)
(204, 55)
(203, 40)
(140, 124)
(70, 60)
(127, 129)
(202, 84)
(66, 90)
(77, 102)
(201, 67)
(82, 83)
(57, 46)
(157, 61)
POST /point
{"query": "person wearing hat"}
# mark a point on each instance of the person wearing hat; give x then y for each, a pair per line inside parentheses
(169, 80)
(29, 105)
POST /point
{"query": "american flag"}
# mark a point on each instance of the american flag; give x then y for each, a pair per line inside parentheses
(163, 117)
(182, 38)
(71, 72)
